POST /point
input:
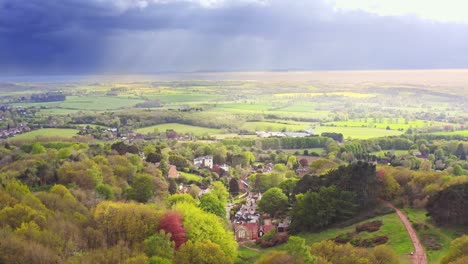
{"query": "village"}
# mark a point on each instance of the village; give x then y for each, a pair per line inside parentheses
(245, 220)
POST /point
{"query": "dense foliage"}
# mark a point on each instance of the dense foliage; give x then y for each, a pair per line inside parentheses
(449, 206)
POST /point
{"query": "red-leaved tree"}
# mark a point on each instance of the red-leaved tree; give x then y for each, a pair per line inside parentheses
(171, 222)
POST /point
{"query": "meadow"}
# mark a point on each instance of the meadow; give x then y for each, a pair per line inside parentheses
(179, 128)
(457, 132)
(383, 123)
(48, 132)
(189, 177)
(276, 126)
(87, 103)
(358, 132)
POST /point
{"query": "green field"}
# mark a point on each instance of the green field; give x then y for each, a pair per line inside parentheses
(275, 126)
(185, 98)
(443, 235)
(179, 128)
(190, 176)
(48, 132)
(301, 151)
(88, 103)
(393, 123)
(358, 132)
(458, 132)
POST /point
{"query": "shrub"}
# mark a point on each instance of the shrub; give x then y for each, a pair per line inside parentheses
(369, 227)
(344, 238)
(272, 239)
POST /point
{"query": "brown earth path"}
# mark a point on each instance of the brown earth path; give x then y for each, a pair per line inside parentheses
(419, 255)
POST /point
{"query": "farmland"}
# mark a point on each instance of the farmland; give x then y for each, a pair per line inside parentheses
(358, 132)
(180, 128)
(87, 103)
(48, 132)
(209, 104)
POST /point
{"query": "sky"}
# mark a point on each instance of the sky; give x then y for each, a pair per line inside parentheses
(150, 36)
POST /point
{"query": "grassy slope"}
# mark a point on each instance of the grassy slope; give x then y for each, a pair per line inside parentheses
(393, 123)
(358, 132)
(459, 132)
(179, 128)
(445, 235)
(190, 176)
(48, 132)
(392, 227)
(275, 126)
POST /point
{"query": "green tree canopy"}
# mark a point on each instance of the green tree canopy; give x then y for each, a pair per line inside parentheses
(273, 201)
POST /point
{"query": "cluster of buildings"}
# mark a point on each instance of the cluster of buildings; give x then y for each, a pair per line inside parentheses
(263, 134)
(12, 131)
(247, 223)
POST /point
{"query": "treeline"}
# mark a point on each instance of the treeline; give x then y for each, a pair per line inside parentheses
(336, 196)
(281, 142)
(47, 97)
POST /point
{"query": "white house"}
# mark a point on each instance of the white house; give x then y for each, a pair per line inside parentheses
(203, 161)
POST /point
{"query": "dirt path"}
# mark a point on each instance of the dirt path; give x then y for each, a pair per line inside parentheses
(419, 256)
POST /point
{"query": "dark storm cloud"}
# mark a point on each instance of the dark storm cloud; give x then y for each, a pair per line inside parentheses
(86, 36)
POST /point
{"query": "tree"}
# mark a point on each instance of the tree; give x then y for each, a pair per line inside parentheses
(160, 245)
(358, 178)
(460, 152)
(37, 148)
(154, 157)
(288, 186)
(292, 162)
(385, 255)
(178, 198)
(164, 167)
(179, 161)
(449, 205)
(202, 226)
(296, 246)
(278, 257)
(273, 201)
(172, 186)
(234, 187)
(389, 187)
(314, 210)
(105, 191)
(457, 170)
(458, 250)
(201, 253)
(142, 188)
(220, 191)
(85, 173)
(171, 223)
(129, 222)
(343, 254)
(211, 204)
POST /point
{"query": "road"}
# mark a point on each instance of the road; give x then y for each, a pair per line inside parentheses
(419, 255)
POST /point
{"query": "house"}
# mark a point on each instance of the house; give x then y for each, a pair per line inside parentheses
(203, 161)
(225, 167)
(246, 231)
(172, 173)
